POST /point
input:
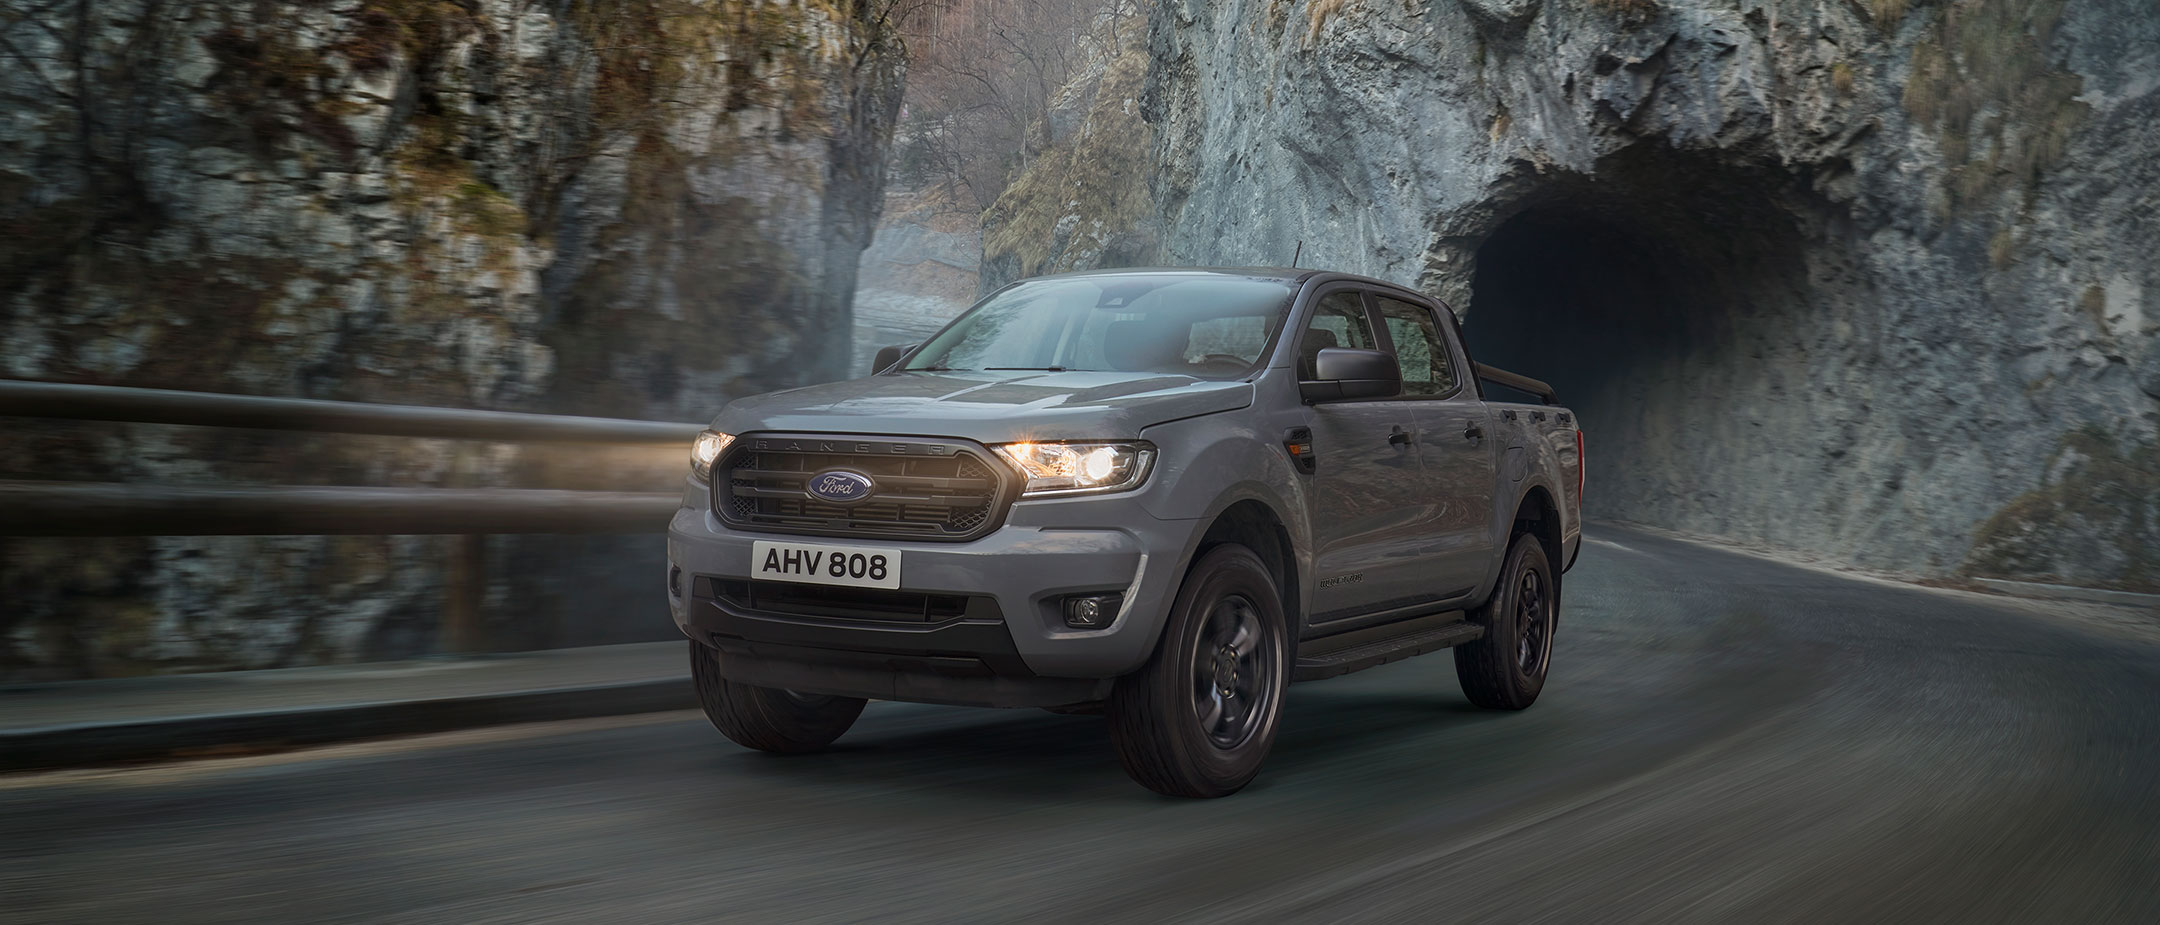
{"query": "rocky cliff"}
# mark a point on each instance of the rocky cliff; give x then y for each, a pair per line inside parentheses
(1869, 279)
(919, 272)
(635, 208)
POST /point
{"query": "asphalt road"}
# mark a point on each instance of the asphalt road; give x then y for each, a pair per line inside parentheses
(1724, 739)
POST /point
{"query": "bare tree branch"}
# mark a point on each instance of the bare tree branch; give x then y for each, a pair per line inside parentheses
(982, 81)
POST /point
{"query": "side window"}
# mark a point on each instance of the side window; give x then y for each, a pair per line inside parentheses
(1419, 347)
(1338, 321)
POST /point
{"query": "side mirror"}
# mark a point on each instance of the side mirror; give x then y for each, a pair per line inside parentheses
(1346, 374)
(888, 357)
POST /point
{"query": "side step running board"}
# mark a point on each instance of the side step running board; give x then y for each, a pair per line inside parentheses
(1382, 651)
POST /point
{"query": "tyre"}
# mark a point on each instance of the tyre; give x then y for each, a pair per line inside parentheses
(1506, 669)
(1200, 716)
(767, 719)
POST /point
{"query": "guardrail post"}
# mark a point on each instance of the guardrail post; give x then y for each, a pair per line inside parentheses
(465, 583)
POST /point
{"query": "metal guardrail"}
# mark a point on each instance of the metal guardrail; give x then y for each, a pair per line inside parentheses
(19, 398)
(34, 508)
(31, 508)
(41, 508)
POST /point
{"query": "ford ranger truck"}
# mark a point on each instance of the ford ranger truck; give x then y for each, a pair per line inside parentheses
(1161, 495)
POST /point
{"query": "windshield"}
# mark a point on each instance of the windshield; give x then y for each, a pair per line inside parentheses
(1209, 327)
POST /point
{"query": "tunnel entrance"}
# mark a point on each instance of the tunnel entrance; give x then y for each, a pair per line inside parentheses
(1669, 300)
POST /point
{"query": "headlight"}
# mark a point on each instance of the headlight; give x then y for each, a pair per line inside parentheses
(710, 444)
(1076, 468)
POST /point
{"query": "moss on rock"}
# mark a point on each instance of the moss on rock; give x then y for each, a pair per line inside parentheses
(2097, 515)
(1033, 227)
(1984, 80)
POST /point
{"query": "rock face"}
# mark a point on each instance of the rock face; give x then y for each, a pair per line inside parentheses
(1084, 202)
(919, 272)
(636, 208)
(1865, 279)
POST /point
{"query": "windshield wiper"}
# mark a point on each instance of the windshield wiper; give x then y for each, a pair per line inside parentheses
(1043, 369)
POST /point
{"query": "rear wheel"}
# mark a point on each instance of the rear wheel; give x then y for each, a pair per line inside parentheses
(768, 719)
(1199, 718)
(1506, 669)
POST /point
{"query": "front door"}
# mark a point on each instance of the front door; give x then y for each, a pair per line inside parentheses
(1367, 483)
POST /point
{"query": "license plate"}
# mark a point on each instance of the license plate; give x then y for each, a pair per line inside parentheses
(850, 566)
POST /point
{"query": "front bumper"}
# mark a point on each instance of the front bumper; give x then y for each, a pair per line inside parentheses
(1015, 638)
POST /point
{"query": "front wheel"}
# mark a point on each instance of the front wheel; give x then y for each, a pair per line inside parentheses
(1197, 720)
(768, 719)
(1506, 669)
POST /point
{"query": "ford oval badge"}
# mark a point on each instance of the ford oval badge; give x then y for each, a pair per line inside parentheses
(840, 486)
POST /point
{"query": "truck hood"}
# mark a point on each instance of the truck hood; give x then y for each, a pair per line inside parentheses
(988, 407)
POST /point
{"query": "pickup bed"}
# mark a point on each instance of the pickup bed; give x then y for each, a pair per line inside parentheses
(1157, 494)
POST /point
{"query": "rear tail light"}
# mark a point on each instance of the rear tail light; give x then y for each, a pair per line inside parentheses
(1582, 467)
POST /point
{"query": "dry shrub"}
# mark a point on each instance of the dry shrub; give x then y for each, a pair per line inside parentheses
(1317, 16)
(1982, 79)
(1887, 13)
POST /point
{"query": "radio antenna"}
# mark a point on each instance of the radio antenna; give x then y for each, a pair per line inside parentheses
(1300, 254)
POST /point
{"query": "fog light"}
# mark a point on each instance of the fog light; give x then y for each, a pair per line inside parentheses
(674, 581)
(1091, 611)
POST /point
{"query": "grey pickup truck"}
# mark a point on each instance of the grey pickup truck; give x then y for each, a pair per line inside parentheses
(1157, 494)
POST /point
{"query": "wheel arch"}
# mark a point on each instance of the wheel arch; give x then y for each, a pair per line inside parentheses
(1258, 526)
(1537, 515)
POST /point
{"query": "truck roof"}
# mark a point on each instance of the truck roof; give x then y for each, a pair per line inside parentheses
(1515, 381)
(1288, 274)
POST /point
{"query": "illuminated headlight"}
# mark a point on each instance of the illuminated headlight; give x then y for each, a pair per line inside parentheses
(710, 444)
(1076, 468)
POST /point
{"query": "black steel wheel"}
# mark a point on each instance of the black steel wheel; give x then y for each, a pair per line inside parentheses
(1506, 669)
(1533, 625)
(1234, 683)
(1200, 716)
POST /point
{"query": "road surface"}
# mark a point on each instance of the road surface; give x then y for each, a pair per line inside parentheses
(1724, 738)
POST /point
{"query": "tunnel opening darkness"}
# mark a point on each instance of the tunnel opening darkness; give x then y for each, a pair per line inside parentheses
(1667, 299)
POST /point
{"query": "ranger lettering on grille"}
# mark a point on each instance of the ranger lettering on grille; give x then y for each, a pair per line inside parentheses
(827, 446)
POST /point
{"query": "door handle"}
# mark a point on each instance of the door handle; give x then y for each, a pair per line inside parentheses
(1473, 433)
(1400, 437)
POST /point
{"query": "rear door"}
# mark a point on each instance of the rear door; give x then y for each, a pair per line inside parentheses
(1368, 480)
(1456, 444)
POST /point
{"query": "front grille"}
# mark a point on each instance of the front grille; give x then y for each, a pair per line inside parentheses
(925, 489)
